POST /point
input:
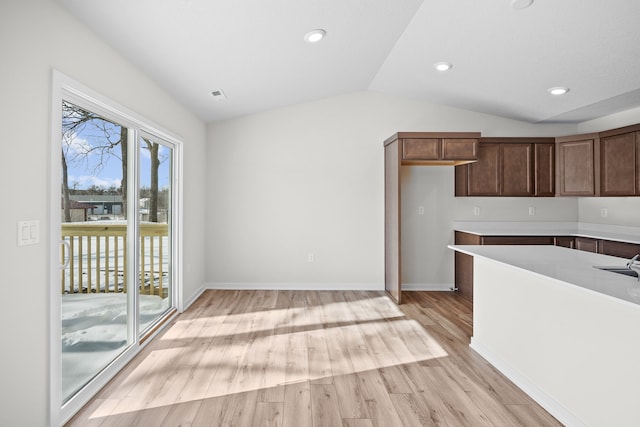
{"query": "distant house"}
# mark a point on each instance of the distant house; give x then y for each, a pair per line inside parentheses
(79, 211)
(107, 206)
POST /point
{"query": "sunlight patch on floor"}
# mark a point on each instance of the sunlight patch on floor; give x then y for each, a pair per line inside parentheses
(259, 350)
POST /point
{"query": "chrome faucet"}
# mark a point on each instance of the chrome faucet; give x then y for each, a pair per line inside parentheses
(634, 264)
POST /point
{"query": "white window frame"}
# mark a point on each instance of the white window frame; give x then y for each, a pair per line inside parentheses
(66, 88)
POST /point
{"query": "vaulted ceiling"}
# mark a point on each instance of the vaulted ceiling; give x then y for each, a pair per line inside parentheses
(504, 59)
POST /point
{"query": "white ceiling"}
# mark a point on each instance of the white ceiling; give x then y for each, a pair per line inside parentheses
(504, 59)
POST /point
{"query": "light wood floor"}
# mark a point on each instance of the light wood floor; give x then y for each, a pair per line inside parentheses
(297, 359)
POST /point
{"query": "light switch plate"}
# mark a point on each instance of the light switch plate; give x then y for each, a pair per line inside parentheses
(28, 232)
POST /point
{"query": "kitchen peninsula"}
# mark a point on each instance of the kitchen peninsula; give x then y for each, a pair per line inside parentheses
(565, 332)
(619, 241)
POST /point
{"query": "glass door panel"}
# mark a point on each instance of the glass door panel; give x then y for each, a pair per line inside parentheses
(155, 205)
(95, 315)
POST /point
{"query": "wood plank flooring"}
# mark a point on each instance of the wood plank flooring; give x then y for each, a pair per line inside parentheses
(307, 358)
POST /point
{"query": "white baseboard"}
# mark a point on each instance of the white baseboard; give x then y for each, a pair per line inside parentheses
(187, 303)
(543, 399)
(427, 286)
(296, 286)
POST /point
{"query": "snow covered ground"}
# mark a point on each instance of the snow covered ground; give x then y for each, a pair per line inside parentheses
(94, 332)
(94, 323)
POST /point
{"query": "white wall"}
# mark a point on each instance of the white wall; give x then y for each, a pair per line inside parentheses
(309, 179)
(426, 263)
(624, 118)
(620, 210)
(36, 36)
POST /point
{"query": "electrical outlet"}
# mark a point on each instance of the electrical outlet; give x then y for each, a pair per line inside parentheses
(604, 212)
(476, 211)
(311, 257)
(420, 210)
(532, 210)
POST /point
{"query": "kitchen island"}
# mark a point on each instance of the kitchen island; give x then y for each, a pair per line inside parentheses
(565, 332)
(619, 241)
(529, 228)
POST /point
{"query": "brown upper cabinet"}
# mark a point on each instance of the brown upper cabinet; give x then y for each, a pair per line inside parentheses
(620, 162)
(428, 148)
(545, 169)
(599, 164)
(517, 169)
(509, 167)
(484, 175)
(421, 149)
(577, 157)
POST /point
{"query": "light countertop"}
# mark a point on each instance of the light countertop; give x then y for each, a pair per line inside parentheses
(575, 229)
(568, 266)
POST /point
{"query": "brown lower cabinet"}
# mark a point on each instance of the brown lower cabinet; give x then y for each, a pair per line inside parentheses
(565, 242)
(517, 240)
(586, 244)
(464, 263)
(619, 249)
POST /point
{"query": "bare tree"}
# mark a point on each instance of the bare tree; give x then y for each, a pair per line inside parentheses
(154, 152)
(112, 137)
(66, 204)
(124, 157)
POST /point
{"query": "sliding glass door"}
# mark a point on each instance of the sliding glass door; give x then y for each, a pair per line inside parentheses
(116, 278)
(154, 201)
(94, 289)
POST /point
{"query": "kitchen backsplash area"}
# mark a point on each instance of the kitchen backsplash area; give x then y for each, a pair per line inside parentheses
(527, 209)
(609, 210)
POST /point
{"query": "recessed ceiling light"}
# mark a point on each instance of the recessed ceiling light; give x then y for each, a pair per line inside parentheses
(521, 4)
(442, 66)
(559, 90)
(314, 36)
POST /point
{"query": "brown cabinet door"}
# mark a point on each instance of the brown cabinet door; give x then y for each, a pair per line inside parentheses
(421, 149)
(545, 170)
(457, 149)
(618, 165)
(619, 249)
(461, 181)
(464, 264)
(462, 238)
(576, 168)
(517, 170)
(517, 240)
(638, 163)
(484, 175)
(392, 226)
(586, 244)
(564, 241)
